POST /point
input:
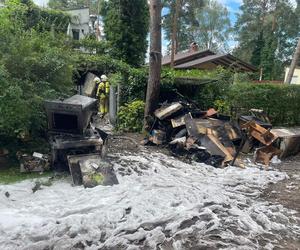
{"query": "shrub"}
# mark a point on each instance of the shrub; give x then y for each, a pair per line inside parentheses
(35, 66)
(135, 82)
(215, 90)
(130, 116)
(134, 85)
(92, 46)
(280, 102)
(115, 79)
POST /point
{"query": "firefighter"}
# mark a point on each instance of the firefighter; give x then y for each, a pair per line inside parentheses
(103, 95)
(97, 82)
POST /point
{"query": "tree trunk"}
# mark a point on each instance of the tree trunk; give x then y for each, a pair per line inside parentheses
(153, 87)
(293, 64)
(174, 33)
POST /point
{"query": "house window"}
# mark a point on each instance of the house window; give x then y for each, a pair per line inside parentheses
(75, 33)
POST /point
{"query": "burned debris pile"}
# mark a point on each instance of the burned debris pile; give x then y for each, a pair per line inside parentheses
(212, 138)
(35, 163)
(75, 144)
(78, 145)
(203, 136)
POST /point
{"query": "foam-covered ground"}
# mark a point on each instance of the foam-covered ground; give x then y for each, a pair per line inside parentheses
(160, 203)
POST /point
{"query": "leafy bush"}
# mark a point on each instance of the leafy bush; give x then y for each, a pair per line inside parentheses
(99, 64)
(35, 66)
(115, 79)
(93, 46)
(215, 90)
(130, 116)
(280, 102)
(135, 85)
(168, 74)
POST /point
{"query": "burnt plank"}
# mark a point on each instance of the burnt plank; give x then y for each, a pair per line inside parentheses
(191, 126)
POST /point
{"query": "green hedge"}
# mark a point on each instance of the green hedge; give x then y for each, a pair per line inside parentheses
(135, 83)
(281, 102)
(130, 116)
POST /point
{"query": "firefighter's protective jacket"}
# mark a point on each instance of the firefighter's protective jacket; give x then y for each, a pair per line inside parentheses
(103, 90)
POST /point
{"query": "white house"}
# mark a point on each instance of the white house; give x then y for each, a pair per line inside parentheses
(296, 76)
(79, 26)
(83, 24)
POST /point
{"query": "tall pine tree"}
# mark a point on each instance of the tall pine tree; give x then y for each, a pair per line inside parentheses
(126, 27)
(267, 32)
(186, 20)
(212, 27)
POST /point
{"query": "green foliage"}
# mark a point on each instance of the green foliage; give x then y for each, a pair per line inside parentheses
(280, 101)
(130, 116)
(134, 86)
(171, 74)
(51, 20)
(116, 79)
(267, 32)
(186, 21)
(222, 106)
(212, 28)
(134, 82)
(94, 5)
(126, 28)
(71, 4)
(99, 64)
(205, 22)
(244, 77)
(12, 175)
(216, 90)
(35, 65)
(27, 15)
(92, 46)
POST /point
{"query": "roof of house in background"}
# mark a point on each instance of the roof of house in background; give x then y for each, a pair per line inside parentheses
(206, 60)
(183, 57)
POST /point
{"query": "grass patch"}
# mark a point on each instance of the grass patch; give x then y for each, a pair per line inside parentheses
(12, 175)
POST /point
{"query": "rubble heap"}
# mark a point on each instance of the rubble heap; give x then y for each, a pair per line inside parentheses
(76, 145)
(212, 138)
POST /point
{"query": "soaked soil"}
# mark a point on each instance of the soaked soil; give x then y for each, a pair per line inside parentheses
(286, 192)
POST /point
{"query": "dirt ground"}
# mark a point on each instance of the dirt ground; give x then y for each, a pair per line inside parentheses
(287, 192)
